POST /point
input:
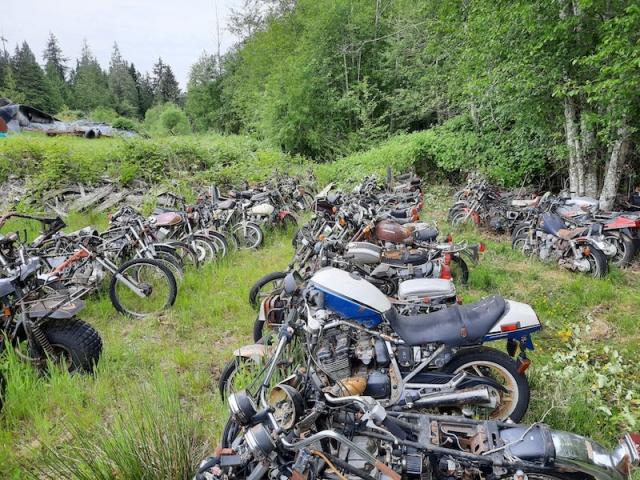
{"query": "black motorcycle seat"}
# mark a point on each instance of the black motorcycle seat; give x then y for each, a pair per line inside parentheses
(401, 213)
(404, 257)
(426, 234)
(259, 196)
(227, 204)
(454, 326)
(6, 286)
(245, 194)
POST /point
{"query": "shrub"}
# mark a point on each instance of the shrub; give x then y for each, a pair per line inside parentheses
(167, 119)
(104, 115)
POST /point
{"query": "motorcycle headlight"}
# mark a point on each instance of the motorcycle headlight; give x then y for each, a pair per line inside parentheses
(287, 405)
(242, 407)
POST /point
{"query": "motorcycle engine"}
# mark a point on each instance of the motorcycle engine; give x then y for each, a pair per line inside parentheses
(355, 361)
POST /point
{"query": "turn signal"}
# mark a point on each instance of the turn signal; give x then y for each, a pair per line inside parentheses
(445, 273)
(524, 365)
(586, 252)
(342, 221)
(483, 248)
(449, 238)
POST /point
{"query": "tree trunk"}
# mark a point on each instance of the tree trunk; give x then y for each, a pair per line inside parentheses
(589, 157)
(619, 151)
(576, 165)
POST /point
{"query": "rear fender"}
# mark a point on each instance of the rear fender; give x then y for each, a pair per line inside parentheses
(518, 323)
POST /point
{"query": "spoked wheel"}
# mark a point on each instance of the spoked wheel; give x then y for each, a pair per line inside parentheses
(142, 287)
(268, 285)
(204, 248)
(188, 255)
(521, 244)
(172, 262)
(487, 362)
(462, 217)
(220, 243)
(248, 234)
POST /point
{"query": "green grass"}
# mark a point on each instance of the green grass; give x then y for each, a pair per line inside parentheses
(159, 374)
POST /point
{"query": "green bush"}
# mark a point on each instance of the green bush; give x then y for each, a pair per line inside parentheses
(104, 115)
(167, 119)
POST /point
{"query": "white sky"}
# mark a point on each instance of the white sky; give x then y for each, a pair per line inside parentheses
(177, 31)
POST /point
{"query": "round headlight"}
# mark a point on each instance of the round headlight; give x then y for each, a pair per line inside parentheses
(242, 407)
(287, 405)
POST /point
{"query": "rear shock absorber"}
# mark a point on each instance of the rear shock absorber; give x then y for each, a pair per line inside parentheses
(42, 339)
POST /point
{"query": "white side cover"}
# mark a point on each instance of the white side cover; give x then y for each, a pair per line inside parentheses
(426, 287)
(352, 287)
(517, 312)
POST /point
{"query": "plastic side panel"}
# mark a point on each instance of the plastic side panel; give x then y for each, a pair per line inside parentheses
(517, 312)
(351, 310)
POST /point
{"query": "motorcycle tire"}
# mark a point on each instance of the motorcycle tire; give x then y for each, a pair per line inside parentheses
(78, 341)
(205, 248)
(626, 248)
(252, 242)
(484, 357)
(254, 293)
(598, 262)
(188, 256)
(520, 242)
(220, 242)
(172, 262)
(460, 217)
(169, 280)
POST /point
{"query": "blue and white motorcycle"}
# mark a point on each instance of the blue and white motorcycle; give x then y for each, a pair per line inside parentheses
(359, 344)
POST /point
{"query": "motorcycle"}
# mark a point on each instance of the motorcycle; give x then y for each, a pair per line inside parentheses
(359, 340)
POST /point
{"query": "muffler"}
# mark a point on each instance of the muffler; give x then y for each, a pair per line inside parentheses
(471, 396)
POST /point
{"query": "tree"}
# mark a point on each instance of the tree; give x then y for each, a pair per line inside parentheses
(30, 80)
(122, 85)
(89, 85)
(55, 71)
(165, 85)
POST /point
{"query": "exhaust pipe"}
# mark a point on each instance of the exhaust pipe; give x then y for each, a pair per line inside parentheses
(471, 396)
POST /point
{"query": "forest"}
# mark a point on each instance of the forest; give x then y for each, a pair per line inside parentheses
(534, 92)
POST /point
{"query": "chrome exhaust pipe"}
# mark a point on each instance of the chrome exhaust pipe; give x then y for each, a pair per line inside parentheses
(471, 396)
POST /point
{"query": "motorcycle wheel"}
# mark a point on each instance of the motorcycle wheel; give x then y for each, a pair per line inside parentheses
(172, 262)
(287, 221)
(265, 286)
(599, 267)
(76, 344)
(626, 248)
(485, 361)
(205, 249)
(220, 242)
(188, 256)
(521, 244)
(151, 275)
(518, 229)
(248, 235)
(460, 217)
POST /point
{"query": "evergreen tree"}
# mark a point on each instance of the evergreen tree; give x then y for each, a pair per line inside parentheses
(55, 72)
(89, 84)
(165, 85)
(30, 79)
(122, 85)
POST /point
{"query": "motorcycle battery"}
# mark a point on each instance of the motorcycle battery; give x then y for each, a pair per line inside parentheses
(378, 385)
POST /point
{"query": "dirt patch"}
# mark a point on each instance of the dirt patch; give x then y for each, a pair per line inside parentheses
(598, 328)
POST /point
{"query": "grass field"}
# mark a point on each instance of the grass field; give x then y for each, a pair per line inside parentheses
(152, 409)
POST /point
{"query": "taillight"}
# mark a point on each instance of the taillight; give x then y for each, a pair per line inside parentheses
(509, 327)
(445, 272)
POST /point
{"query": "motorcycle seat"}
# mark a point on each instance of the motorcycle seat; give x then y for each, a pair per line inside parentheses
(245, 194)
(259, 196)
(6, 286)
(569, 234)
(168, 219)
(398, 213)
(428, 234)
(522, 203)
(454, 326)
(227, 204)
(405, 257)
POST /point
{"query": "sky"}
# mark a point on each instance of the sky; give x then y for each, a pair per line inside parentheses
(178, 31)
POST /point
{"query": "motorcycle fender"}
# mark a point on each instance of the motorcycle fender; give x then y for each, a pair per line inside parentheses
(255, 352)
(518, 322)
(262, 313)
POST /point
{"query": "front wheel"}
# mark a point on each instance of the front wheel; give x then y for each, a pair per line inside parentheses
(500, 367)
(625, 248)
(265, 286)
(76, 344)
(142, 287)
(248, 235)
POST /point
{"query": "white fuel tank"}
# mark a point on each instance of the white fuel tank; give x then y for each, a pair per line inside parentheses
(264, 209)
(351, 287)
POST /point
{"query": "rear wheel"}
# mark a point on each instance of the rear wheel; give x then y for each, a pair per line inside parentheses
(248, 235)
(521, 243)
(598, 265)
(500, 367)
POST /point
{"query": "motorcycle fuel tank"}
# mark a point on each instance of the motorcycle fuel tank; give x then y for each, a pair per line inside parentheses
(432, 288)
(363, 253)
(390, 231)
(351, 296)
(264, 209)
